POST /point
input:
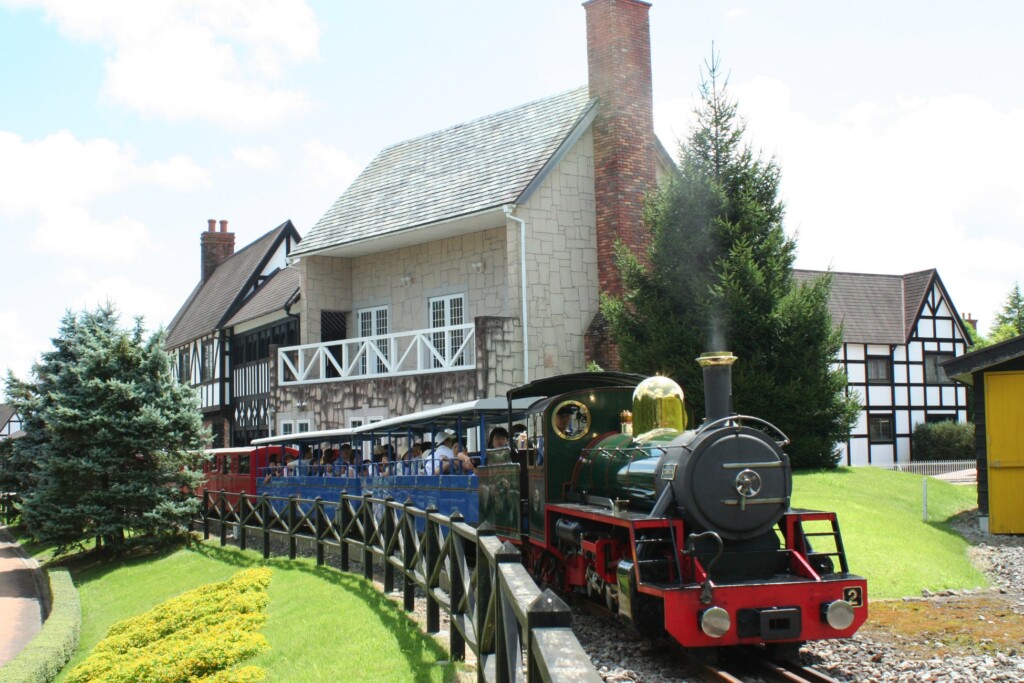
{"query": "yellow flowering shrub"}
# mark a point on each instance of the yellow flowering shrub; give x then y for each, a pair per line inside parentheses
(197, 636)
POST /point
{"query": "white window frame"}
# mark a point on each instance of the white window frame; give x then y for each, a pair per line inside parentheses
(286, 427)
(379, 319)
(302, 426)
(445, 343)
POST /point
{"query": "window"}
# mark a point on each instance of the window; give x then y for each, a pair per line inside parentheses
(184, 372)
(287, 427)
(881, 429)
(934, 373)
(879, 370)
(374, 322)
(301, 426)
(209, 359)
(447, 312)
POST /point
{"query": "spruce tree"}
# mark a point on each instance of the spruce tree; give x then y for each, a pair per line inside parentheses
(718, 275)
(112, 443)
(1009, 322)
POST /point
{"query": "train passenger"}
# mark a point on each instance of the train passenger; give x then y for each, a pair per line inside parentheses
(463, 460)
(346, 467)
(440, 461)
(411, 460)
(498, 438)
(299, 465)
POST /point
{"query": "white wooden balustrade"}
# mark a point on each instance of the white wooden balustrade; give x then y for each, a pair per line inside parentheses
(438, 349)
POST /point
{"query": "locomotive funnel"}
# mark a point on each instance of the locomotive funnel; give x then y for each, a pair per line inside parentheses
(717, 384)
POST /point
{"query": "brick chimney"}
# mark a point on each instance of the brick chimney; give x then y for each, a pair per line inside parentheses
(619, 64)
(216, 247)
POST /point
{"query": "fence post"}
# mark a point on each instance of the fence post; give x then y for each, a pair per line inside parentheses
(206, 514)
(346, 520)
(408, 553)
(243, 503)
(456, 641)
(318, 508)
(293, 509)
(389, 532)
(432, 555)
(265, 524)
(367, 512)
(546, 611)
(223, 523)
(506, 635)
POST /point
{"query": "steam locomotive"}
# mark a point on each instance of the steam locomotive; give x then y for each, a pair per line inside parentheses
(681, 532)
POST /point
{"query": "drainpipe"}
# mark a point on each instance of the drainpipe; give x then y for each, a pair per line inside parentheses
(509, 208)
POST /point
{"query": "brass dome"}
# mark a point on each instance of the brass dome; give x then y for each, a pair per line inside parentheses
(658, 404)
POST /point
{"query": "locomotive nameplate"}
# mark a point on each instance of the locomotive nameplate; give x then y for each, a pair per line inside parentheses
(854, 595)
(668, 471)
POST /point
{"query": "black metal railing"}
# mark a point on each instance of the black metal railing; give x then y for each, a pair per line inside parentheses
(494, 607)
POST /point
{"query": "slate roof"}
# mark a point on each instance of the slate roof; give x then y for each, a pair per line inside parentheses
(212, 302)
(272, 296)
(873, 308)
(461, 170)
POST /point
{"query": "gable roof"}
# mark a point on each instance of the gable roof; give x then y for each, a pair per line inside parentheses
(471, 167)
(213, 302)
(6, 413)
(276, 292)
(878, 309)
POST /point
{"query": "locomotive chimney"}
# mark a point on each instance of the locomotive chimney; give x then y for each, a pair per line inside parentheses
(717, 384)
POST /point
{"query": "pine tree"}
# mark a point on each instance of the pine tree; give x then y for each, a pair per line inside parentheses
(112, 442)
(1009, 322)
(718, 276)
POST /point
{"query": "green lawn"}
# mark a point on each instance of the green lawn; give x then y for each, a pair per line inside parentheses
(322, 625)
(885, 537)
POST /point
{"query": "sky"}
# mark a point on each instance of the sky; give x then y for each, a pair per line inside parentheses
(125, 125)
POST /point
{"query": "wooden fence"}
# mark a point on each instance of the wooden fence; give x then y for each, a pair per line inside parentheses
(493, 604)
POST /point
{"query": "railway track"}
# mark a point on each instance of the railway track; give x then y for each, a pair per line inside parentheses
(746, 663)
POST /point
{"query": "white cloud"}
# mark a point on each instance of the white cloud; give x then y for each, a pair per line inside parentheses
(895, 187)
(18, 350)
(57, 180)
(131, 298)
(259, 158)
(329, 166)
(192, 59)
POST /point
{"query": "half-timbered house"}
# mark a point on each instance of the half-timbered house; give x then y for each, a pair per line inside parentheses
(10, 421)
(223, 336)
(897, 332)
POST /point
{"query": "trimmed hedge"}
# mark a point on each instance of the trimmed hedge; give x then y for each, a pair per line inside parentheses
(44, 657)
(197, 636)
(944, 441)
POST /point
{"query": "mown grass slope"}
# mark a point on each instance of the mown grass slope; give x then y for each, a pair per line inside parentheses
(886, 539)
(322, 625)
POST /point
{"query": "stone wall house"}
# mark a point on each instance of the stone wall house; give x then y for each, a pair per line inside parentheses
(223, 336)
(466, 261)
(897, 332)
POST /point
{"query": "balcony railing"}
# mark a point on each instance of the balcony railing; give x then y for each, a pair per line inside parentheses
(438, 349)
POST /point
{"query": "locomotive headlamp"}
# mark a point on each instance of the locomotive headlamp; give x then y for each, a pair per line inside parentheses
(838, 614)
(715, 622)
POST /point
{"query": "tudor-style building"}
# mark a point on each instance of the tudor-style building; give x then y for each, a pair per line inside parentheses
(10, 421)
(222, 337)
(465, 261)
(897, 332)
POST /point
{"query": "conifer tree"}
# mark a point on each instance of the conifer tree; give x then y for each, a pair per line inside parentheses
(112, 443)
(1009, 322)
(718, 275)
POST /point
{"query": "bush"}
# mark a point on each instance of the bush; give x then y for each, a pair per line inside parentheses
(50, 650)
(196, 636)
(944, 441)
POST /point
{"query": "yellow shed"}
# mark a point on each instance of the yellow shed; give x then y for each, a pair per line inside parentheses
(997, 375)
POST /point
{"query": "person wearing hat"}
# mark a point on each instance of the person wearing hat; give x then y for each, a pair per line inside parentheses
(440, 462)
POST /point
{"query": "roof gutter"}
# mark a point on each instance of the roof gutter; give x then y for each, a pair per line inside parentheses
(509, 209)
